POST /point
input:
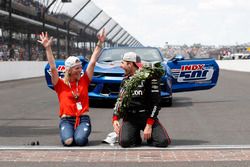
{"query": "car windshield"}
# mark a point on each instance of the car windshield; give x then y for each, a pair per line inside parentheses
(146, 54)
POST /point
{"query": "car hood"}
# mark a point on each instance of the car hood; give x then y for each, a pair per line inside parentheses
(110, 67)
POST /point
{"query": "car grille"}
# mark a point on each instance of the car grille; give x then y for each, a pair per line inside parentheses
(108, 88)
(111, 88)
(114, 88)
(114, 74)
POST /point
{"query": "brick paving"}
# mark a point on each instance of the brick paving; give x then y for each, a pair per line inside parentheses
(123, 155)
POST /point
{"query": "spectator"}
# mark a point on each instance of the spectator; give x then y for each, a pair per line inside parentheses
(12, 53)
(1, 55)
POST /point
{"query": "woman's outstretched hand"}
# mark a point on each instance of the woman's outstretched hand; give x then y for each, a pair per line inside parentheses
(102, 36)
(45, 40)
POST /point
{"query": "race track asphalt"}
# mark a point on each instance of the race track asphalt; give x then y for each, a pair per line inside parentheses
(219, 116)
(215, 117)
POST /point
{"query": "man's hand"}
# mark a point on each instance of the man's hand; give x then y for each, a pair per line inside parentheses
(116, 126)
(147, 132)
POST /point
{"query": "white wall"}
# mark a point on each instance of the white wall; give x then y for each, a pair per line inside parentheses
(12, 70)
(235, 65)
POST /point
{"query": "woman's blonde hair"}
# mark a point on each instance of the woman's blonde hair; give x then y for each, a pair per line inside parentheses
(66, 76)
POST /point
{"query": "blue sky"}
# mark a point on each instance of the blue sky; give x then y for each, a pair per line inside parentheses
(154, 22)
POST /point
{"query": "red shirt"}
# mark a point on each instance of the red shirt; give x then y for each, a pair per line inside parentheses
(68, 102)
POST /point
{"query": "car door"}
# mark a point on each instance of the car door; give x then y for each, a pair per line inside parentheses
(193, 74)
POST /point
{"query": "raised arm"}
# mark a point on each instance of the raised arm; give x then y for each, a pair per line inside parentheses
(95, 55)
(47, 42)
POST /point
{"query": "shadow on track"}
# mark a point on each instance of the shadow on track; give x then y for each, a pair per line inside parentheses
(188, 142)
(27, 131)
(175, 142)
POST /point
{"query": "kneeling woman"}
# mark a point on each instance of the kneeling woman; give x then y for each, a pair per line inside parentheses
(72, 92)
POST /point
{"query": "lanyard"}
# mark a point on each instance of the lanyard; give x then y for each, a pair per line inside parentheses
(76, 96)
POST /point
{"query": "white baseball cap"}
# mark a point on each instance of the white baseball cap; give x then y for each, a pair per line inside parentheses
(72, 61)
(111, 138)
(132, 57)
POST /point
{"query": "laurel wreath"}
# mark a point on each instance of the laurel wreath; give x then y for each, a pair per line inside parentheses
(147, 71)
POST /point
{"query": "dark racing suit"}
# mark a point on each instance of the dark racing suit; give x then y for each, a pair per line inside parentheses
(143, 109)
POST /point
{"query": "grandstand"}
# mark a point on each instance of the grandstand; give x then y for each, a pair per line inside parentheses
(74, 26)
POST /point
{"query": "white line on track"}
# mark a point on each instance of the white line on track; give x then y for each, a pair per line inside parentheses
(116, 147)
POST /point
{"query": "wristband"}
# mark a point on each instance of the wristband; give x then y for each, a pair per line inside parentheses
(99, 44)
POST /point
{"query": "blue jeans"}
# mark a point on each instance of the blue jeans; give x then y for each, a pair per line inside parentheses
(79, 135)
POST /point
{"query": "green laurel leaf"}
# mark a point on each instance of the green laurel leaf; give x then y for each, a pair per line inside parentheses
(147, 71)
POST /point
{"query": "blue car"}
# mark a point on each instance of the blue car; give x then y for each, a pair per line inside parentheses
(180, 75)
